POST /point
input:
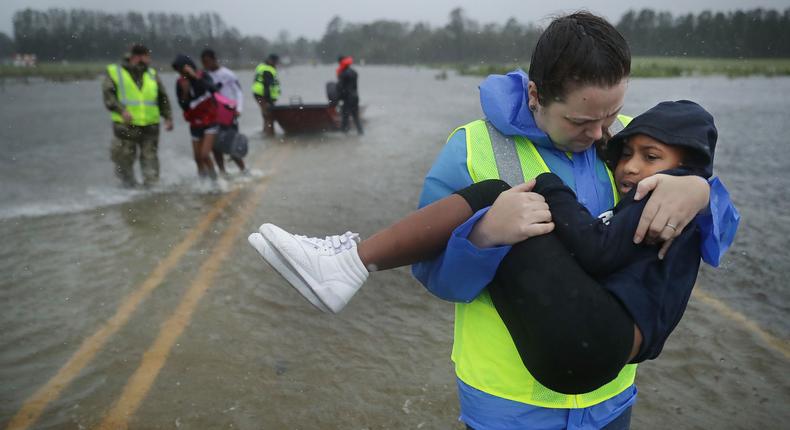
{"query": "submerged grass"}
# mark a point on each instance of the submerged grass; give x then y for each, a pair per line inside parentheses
(670, 67)
(54, 71)
(641, 67)
(666, 67)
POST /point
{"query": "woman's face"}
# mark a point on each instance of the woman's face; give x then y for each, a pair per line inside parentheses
(575, 123)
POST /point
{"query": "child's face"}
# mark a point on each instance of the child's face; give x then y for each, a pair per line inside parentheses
(644, 156)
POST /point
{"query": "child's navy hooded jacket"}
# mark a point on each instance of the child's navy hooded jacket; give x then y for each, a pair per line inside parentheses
(655, 292)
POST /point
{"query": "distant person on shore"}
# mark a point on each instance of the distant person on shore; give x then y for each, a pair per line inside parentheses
(230, 88)
(347, 93)
(136, 99)
(194, 91)
(266, 89)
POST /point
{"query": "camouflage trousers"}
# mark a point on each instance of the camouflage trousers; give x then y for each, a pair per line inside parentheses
(127, 141)
(266, 112)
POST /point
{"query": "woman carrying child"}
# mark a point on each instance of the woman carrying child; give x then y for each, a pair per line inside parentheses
(546, 121)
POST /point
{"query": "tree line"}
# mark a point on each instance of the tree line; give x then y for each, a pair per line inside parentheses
(460, 40)
(87, 35)
(756, 33)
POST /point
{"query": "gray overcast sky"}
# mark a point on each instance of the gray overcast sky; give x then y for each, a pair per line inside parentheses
(309, 17)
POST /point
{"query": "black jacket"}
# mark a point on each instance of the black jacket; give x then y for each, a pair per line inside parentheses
(655, 292)
(347, 86)
(198, 87)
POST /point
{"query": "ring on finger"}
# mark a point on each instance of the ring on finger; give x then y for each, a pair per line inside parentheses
(672, 226)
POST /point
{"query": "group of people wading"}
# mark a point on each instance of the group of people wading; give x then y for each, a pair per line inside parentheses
(211, 99)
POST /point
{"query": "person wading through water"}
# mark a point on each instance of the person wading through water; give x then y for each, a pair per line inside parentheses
(136, 99)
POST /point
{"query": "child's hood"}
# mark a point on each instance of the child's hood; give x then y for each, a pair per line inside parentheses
(680, 123)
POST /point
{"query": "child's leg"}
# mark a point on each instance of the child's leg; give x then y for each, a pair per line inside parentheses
(571, 333)
(419, 236)
(198, 160)
(330, 271)
(219, 160)
(205, 146)
(239, 162)
(423, 234)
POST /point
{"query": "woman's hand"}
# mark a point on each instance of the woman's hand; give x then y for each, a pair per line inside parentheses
(517, 215)
(189, 71)
(675, 201)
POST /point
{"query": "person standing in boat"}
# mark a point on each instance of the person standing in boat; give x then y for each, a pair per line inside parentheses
(136, 99)
(347, 91)
(266, 89)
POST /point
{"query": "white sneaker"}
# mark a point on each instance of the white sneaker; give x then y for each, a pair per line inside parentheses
(330, 267)
(278, 263)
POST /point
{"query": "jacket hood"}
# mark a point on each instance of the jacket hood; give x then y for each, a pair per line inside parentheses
(182, 60)
(680, 123)
(344, 63)
(505, 104)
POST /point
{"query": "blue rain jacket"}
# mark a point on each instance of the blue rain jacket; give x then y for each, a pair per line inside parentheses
(461, 272)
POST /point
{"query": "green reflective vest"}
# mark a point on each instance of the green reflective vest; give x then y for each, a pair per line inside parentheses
(257, 85)
(484, 354)
(141, 102)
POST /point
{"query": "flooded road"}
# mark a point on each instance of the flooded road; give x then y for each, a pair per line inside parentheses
(149, 310)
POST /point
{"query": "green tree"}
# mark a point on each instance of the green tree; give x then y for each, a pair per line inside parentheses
(7, 47)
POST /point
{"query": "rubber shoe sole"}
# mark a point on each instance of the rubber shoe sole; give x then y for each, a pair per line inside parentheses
(333, 293)
(281, 266)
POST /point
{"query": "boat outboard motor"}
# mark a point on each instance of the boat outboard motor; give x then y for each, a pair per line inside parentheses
(331, 92)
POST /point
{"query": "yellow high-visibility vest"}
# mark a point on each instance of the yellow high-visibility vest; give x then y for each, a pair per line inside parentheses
(141, 102)
(484, 354)
(257, 85)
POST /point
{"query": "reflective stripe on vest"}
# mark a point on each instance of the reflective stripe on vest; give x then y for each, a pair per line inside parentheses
(484, 354)
(257, 85)
(141, 102)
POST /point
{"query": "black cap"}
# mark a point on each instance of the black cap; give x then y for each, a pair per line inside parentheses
(273, 58)
(139, 49)
(681, 123)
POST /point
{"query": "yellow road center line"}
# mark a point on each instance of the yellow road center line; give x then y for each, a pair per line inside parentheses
(155, 357)
(775, 343)
(32, 409)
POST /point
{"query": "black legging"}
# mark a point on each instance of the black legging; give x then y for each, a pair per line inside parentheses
(572, 334)
(350, 108)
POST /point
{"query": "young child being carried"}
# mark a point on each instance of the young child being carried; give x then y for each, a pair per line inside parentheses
(579, 302)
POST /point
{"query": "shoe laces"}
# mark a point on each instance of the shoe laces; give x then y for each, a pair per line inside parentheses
(333, 244)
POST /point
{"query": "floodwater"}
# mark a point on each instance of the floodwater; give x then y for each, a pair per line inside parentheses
(148, 310)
